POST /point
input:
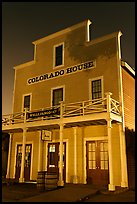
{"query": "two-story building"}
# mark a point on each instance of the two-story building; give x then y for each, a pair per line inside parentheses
(70, 108)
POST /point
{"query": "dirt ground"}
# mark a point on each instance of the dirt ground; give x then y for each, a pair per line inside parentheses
(19, 192)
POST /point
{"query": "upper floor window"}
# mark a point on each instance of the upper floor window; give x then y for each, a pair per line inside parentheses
(58, 55)
(96, 88)
(26, 103)
(57, 96)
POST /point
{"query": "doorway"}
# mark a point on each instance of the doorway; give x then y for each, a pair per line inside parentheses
(53, 159)
(27, 164)
(97, 162)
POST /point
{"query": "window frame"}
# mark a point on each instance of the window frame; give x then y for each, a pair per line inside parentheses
(29, 94)
(54, 55)
(58, 87)
(90, 87)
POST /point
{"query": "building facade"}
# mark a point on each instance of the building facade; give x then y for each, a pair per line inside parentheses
(70, 108)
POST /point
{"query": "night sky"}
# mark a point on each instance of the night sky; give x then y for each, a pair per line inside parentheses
(25, 22)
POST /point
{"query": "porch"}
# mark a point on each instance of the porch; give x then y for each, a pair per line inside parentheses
(101, 111)
(91, 112)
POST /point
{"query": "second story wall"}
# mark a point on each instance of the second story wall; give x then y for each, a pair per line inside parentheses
(77, 85)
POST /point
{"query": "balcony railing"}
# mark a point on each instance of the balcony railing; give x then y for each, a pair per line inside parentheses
(83, 108)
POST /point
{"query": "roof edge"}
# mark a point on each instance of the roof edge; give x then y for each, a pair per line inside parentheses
(127, 67)
(24, 64)
(58, 33)
(103, 38)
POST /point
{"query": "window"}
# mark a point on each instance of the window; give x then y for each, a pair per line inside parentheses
(96, 89)
(26, 102)
(58, 55)
(57, 96)
(52, 155)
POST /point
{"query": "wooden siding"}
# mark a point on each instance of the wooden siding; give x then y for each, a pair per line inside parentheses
(76, 84)
(129, 99)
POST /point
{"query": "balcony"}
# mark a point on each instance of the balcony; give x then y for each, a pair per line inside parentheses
(91, 112)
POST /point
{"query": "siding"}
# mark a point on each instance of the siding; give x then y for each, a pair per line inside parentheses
(76, 84)
(129, 99)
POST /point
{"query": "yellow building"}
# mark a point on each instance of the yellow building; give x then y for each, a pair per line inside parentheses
(70, 108)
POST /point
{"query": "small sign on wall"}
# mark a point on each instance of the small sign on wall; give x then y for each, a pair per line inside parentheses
(46, 135)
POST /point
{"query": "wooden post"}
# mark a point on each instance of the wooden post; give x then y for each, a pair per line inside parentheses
(61, 182)
(40, 152)
(124, 176)
(75, 156)
(21, 179)
(111, 185)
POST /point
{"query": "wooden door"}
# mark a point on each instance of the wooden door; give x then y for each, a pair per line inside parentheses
(18, 161)
(97, 162)
(27, 164)
(53, 159)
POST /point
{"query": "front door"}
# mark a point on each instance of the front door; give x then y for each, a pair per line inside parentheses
(97, 162)
(53, 159)
(18, 161)
(27, 163)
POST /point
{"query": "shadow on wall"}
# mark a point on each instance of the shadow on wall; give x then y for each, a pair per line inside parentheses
(78, 51)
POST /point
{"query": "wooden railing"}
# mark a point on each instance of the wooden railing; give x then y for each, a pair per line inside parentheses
(65, 110)
(84, 107)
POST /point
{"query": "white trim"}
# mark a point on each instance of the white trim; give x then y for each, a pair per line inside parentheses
(88, 31)
(57, 87)
(67, 155)
(26, 64)
(120, 82)
(15, 77)
(39, 153)
(75, 155)
(85, 140)
(20, 143)
(28, 94)
(102, 85)
(35, 52)
(54, 48)
(103, 38)
(127, 67)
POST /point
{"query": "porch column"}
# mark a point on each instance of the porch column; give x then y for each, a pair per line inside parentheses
(40, 162)
(75, 156)
(21, 179)
(61, 182)
(111, 185)
(9, 156)
(124, 176)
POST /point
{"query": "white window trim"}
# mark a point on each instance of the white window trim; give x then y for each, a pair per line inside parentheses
(54, 48)
(102, 85)
(57, 87)
(23, 96)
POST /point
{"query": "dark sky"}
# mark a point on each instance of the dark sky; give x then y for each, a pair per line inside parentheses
(25, 22)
